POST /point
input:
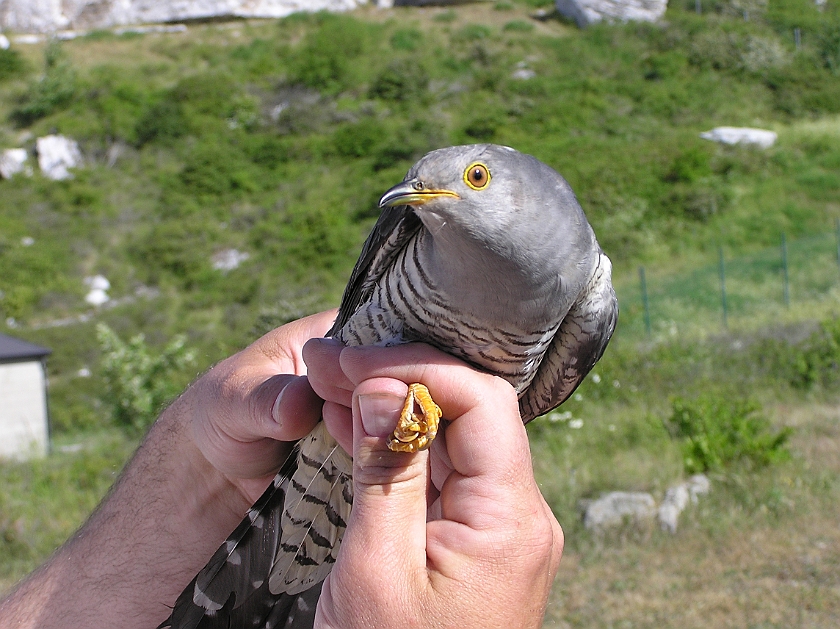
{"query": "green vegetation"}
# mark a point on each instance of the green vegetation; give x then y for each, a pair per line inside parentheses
(137, 383)
(276, 139)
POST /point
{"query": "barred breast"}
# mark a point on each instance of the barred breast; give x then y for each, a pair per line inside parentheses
(408, 305)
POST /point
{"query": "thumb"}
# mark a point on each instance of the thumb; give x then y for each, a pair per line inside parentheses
(388, 522)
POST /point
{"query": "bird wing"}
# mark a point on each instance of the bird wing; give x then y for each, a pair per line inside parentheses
(579, 343)
(395, 227)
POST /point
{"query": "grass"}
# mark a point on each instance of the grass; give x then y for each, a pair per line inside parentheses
(276, 138)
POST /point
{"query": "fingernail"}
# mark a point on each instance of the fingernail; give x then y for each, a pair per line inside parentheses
(380, 413)
(275, 409)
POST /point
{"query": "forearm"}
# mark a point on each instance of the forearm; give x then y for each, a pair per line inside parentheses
(147, 539)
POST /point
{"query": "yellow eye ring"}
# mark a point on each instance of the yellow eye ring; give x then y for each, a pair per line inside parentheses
(477, 176)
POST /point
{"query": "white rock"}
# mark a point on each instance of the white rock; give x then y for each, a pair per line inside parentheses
(56, 155)
(586, 12)
(27, 241)
(677, 499)
(4, 42)
(741, 135)
(97, 282)
(618, 507)
(12, 162)
(698, 485)
(229, 259)
(47, 16)
(97, 297)
(523, 74)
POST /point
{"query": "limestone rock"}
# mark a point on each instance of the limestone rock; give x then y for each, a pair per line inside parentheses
(12, 162)
(229, 259)
(741, 135)
(44, 16)
(4, 42)
(99, 287)
(586, 12)
(617, 508)
(677, 499)
(56, 155)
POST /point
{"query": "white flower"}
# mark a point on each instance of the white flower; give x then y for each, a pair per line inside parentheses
(576, 423)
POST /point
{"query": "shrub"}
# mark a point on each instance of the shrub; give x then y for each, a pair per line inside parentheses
(402, 80)
(163, 120)
(324, 58)
(718, 432)
(54, 91)
(11, 64)
(139, 382)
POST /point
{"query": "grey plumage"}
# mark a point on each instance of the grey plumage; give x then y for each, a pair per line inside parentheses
(483, 252)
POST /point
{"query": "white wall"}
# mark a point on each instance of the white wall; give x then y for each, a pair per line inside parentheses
(23, 410)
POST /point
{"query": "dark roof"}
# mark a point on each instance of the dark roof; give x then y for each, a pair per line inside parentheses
(12, 349)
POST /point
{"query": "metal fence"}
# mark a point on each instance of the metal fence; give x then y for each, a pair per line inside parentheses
(730, 290)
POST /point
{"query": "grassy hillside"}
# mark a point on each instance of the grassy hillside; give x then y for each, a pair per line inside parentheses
(276, 138)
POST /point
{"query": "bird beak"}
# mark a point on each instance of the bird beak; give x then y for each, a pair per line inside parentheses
(412, 192)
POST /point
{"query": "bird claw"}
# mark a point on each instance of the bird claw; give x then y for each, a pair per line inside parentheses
(416, 431)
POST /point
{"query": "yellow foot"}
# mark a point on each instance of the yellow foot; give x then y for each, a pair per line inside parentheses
(416, 431)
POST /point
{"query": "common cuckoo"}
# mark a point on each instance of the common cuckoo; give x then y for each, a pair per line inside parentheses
(481, 251)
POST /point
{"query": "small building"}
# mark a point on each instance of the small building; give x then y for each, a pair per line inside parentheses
(24, 417)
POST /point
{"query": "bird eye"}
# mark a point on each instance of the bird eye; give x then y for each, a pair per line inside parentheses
(477, 176)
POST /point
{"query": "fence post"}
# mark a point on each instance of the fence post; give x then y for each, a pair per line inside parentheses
(837, 234)
(645, 298)
(785, 271)
(723, 287)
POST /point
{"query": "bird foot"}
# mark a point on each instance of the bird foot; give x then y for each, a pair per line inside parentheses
(416, 431)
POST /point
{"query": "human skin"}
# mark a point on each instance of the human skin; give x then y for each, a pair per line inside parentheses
(485, 557)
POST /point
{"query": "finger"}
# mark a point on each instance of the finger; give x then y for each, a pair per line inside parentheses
(322, 356)
(283, 345)
(388, 522)
(485, 407)
(339, 422)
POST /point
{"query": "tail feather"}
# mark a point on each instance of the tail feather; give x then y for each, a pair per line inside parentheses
(263, 574)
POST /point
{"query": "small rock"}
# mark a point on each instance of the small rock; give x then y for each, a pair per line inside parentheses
(698, 485)
(12, 162)
(524, 74)
(97, 282)
(56, 155)
(4, 42)
(677, 499)
(741, 135)
(229, 259)
(586, 12)
(617, 508)
(27, 241)
(97, 297)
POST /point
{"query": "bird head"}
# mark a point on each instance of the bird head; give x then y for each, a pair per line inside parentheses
(497, 198)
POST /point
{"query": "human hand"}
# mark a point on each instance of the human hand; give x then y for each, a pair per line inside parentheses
(248, 409)
(456, 536)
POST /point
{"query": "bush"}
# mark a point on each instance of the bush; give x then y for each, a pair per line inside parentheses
(11, 64)
(718, 432)
(161, 121)
(403, 80)
(54, 91)
(138, 382)
(324, 59)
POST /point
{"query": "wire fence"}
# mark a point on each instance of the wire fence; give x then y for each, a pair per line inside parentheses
(733, 290)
